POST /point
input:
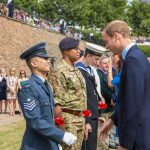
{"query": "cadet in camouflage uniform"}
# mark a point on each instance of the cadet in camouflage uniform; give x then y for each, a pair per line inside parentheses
(69, 91)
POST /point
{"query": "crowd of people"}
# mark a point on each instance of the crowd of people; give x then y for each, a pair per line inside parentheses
(142, 40)
(24, 16)
(9, 86)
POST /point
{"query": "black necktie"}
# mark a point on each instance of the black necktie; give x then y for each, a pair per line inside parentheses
(46, 84)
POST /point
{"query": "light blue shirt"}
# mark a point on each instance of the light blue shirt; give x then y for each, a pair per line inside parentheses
(43, 79)
(126, 49)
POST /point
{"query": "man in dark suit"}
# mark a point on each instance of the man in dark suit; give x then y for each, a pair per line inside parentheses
(134, 97)
(37, 104)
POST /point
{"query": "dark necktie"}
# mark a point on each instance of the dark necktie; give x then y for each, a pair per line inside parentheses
(46, 85)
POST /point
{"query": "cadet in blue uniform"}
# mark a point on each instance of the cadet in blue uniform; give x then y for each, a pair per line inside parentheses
(37, 103)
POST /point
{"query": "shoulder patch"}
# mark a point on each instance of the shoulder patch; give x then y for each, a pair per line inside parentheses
(26, 86)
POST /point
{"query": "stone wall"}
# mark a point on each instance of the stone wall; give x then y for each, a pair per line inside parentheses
(16, 37)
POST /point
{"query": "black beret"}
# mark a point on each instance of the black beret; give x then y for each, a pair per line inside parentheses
(68, 43)
(37, 50)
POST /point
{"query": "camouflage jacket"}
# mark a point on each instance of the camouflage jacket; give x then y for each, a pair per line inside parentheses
(68, 86)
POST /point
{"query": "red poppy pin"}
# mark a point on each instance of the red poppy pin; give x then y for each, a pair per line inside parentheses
(102, 105)
(59, 121)
(86, 113)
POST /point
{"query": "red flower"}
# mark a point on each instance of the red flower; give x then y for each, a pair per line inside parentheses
(86, 113)
(102, 105)
(59, 121)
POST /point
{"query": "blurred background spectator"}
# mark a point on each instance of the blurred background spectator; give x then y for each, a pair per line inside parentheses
(3, 9)
(12, 84)
(10, 6)
(3, 87)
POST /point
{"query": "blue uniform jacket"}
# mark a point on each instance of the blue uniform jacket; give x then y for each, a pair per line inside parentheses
(37, 104)
(134, 102)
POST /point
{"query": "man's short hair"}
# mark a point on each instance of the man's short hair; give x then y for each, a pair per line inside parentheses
(118, 26)
(28, 62)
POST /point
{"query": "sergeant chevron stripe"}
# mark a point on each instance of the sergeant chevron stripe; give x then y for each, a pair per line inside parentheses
(29, 106)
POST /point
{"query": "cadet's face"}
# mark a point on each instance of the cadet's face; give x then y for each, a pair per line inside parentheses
(111, 43)
(94, 60)
(41, 64)
(73, 54)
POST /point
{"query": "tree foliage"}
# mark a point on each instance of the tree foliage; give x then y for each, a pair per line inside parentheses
(74, 11)
(92, 13)
(28, 5)
(103, 12)
(139, 17)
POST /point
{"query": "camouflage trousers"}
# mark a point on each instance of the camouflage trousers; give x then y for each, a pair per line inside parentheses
(75, 125)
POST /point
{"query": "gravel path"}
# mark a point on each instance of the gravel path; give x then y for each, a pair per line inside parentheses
(6, 119)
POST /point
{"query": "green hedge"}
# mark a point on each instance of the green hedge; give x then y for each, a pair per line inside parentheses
(145, 49)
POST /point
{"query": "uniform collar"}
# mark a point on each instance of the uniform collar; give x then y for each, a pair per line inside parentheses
(42, 78)
(37, 78)
(126, 49)
(82, 66)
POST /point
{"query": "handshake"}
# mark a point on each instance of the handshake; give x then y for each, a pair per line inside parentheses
(69, 138)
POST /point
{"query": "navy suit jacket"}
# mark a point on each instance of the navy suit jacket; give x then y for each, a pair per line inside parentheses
(37, 104)
(133, 116)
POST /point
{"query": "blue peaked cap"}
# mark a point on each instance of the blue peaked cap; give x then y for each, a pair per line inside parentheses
(37, 50)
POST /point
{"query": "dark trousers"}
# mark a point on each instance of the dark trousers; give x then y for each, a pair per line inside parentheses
(10, 14)
(11, 9)
(91, 143)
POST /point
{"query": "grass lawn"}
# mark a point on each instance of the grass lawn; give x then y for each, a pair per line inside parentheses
(11, 136)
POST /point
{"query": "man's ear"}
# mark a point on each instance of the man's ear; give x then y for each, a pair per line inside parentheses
(66, 52)
(117, 36)
(33, 63)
